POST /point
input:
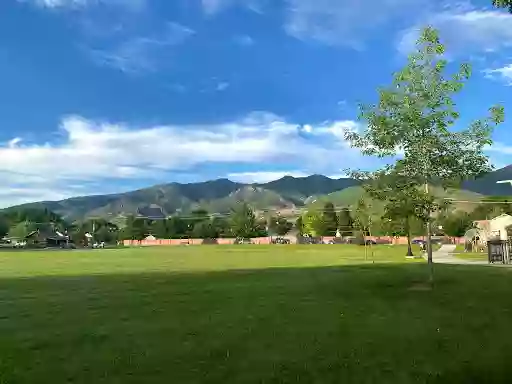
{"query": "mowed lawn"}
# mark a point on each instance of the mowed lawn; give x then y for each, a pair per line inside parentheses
(250, 314)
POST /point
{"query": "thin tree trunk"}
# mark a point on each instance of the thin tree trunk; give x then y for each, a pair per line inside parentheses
(408, 233)
(371, 244)
(429, 244)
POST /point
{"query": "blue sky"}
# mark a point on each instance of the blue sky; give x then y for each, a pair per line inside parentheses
(100, 96)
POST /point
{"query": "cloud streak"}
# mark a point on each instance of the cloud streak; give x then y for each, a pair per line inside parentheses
(82, 4)
(142, 54)
(92, 151)
(465, 30)
(503, 74)
(344, 22)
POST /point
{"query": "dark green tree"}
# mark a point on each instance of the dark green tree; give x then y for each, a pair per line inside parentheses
(4, 226)
(345, 223)
(176, 227)
(136, 228)
(456, 224)
(416, 116)
(330, 219)
(158, 229)
(299, 225)
(221, 227)
(279, 226)
(242, 221)
(205, 230)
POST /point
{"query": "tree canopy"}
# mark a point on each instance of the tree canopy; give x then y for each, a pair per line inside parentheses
(503, 4)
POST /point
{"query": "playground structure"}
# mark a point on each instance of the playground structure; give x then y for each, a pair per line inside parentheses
(492, 236)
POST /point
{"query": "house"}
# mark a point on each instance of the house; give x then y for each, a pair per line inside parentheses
(497, 228)
(46, 238)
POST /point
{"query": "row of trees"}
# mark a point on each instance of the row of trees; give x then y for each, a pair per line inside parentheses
(398, 220)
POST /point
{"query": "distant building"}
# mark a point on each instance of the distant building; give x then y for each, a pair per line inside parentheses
(46, 238)
(152, 212)
(497, 228)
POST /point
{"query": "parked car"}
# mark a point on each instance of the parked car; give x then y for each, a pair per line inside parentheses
(280, 240)
(360, 241)
(241, 240)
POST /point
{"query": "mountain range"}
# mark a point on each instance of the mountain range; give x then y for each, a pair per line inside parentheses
(219, 196)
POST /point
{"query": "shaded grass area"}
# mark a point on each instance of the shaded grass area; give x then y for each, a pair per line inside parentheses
(313, 324)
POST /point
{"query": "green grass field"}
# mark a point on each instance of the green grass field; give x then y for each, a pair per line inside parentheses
(250, 314)
(472, 256)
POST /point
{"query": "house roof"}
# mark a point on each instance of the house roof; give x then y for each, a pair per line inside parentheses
(151, 212)
(502, 216)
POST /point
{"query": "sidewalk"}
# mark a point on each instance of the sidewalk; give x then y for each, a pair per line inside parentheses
(444, 255)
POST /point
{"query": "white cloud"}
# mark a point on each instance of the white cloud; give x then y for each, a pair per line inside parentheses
(500, 148)
(503, 74)
(58, 3)
(465, 30)
(77, 4)
(337, 129)
(142, 54)
(222, 86)
(94, 151)
(344, 22)
(263, 177)
(212, 7)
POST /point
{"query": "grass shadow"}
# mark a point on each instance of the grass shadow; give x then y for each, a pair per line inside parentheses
(281, 325)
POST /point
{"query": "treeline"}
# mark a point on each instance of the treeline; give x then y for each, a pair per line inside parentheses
(242, 222)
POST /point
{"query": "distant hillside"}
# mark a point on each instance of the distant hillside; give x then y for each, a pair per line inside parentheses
(219, 196)
(462, 200)
(215, 196)
(487, 184)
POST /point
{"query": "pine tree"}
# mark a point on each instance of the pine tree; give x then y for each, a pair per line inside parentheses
(330, 220)
(345, 223)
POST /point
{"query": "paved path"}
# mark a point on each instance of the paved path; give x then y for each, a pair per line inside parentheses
(444, 255)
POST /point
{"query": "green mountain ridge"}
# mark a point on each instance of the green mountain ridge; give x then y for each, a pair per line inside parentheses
(220, 196)
(216, 196)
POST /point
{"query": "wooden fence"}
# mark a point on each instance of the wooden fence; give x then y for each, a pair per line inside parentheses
(266, 240)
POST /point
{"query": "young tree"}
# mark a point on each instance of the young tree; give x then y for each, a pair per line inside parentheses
(413, 119)
(330, 220)
(345, 223)
(403, 199)
(313, 223)
(299, 225)
(22, 229)
(363, 217)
